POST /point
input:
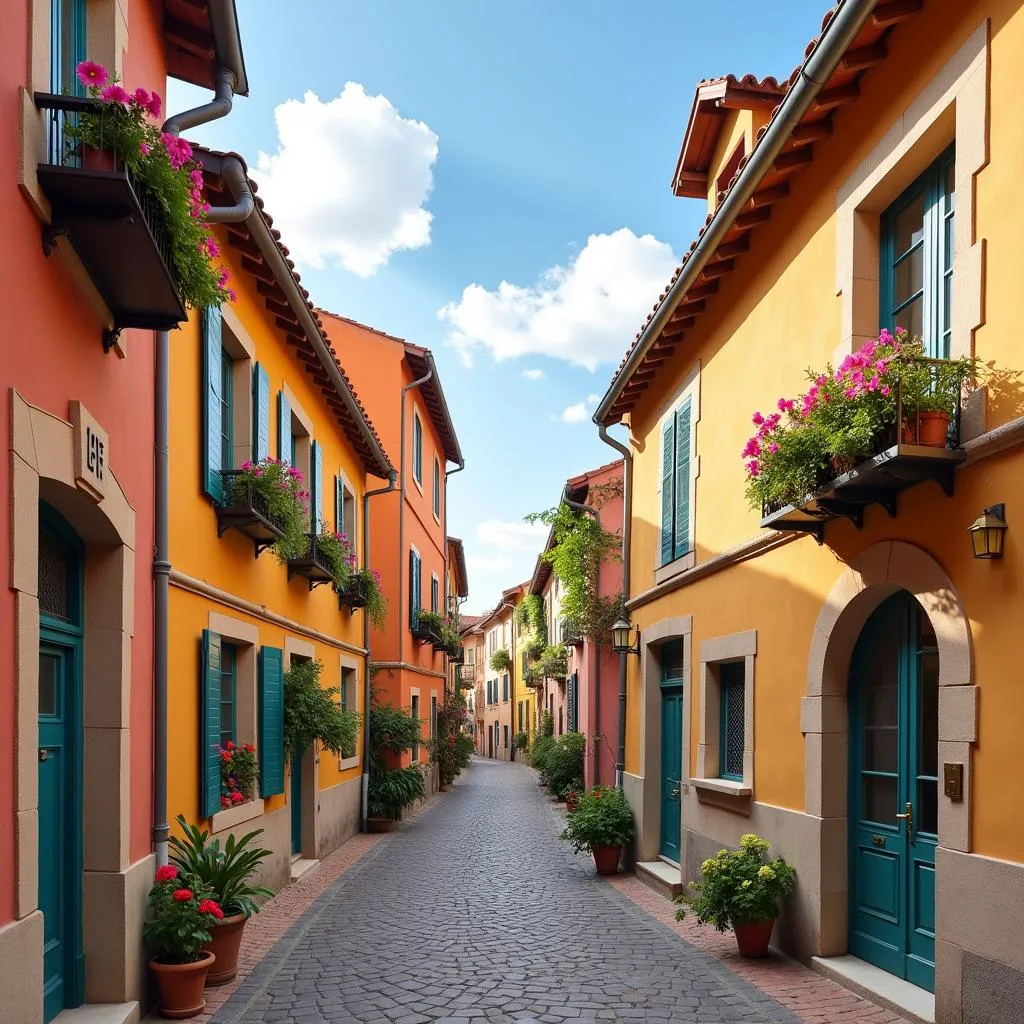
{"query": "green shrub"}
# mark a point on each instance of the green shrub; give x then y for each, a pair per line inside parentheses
(602, 817)
(543, 745)
(312, 714)
(547, 724)
(522, 741)
(564, 767)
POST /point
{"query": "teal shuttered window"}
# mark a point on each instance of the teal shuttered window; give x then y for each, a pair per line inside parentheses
(415, 587)
(437, 488)
(285, 442)
(210, 726)
(417, 448)
(260, 413)
(67, 46)
(271, 711)
(228, 692)
(435, 594)
(316, 486)
(213, 404)
(675, 485)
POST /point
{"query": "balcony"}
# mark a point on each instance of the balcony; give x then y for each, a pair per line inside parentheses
(244, 509)
(571, 635)
(354, 594)
(313, 566)
(898, 460)
(456, 654)
(114, 224)
(426, 633)
(533, 677)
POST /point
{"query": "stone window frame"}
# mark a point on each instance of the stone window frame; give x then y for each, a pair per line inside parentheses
(951, 108)
(351, 664)
(350, 529)
(690, 389)
(735, 647)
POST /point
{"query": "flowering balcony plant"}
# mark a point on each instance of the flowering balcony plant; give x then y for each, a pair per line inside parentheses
(182, 915)
(742, 890)
(336, 551)
(366, 583)
(239, 774)
(281, 487)
(125, 124)
(849, 413)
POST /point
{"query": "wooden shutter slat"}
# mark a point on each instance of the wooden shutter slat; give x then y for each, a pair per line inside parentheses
(261, 413)
(668, 433)
(209, 786)
(316, 486)
(284, 428)
(212, 397)
(271, 709)
(682, 483)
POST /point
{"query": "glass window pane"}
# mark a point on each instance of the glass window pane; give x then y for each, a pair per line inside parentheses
(672, 660)
(928, 724)
(950, 186)
(54, 577)
(49, 684)
(908, 278)
(881, 749)
(879, 799)
(881, 705)
(926, 813)
(908, 226)
(732, 683)
(911, 318)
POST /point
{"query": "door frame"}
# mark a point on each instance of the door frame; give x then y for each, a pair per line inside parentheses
(71, 637)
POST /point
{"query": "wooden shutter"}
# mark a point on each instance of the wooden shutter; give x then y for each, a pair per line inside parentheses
(682, 502)
(316, 485)
(415, 586)
(435, 596)
(437, 488)
(668, 434)
(284, 428)
(271, 743)
(339, 509)
(209, 739)
(212, 397)
(260, 413)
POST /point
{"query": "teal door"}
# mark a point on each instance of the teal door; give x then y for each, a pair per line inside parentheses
(295, 799)
(60, 761)
(671, 748)
(894, 703)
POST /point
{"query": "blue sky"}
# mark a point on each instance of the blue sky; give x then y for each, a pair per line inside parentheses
(482, 143)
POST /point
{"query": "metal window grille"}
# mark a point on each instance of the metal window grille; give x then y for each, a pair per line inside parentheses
(733, 701)
(54, 586)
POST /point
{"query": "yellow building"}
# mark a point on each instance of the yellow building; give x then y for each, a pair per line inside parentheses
(258, 379)
(842, 677)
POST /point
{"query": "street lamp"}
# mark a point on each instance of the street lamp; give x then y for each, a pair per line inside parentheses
(988, 532)
(621, 636)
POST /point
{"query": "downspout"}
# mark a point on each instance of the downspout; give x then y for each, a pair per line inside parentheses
(364, 805)
(444, 523)
(401, 509)
(218, 107)
(627, 523)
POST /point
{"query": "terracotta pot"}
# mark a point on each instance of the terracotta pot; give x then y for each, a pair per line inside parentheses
(98, 159)
(929, 429)
(571, 802)
(752, 937)
(606, 858)
(225, 941)
(181, 986)
(380, 824)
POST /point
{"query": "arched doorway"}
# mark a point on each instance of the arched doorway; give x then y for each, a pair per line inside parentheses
(893, 790)
(61, 742)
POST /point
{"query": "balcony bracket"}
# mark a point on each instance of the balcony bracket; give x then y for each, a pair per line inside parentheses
(262, 545)
(52, 233)
(110, 338)
(843, 510)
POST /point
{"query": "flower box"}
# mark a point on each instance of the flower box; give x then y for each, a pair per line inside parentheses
(243, 508)
(313, 566)
(355, 593)
(426, 632)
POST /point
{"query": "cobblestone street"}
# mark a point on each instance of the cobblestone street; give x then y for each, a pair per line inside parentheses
(475, 911)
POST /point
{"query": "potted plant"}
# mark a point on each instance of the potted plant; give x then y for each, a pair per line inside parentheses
(239, 774)
(224, 872)
(391, 788)
(534, 648)
(602, 823)
(123, 130)
(362, 590)
(182, 916)
(522, 741)
(564, 765)
(742, 890)
(335, 551)
(427, 627)
(572, 800)
(554, 662)
(278, 490)
(501, 660)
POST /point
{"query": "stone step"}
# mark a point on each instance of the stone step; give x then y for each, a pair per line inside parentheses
(100, 1013)
(661, 877)
(302, 866)
(880, 987)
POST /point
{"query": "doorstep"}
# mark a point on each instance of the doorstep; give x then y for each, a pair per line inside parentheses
(661, 877)
(302, 866)
(100, 1013)
(915, 1004)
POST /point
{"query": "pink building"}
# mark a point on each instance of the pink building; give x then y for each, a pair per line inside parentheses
(586, 700)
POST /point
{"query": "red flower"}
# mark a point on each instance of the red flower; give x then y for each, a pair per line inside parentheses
(236, 797)
(166, 873)
(250, 748)
(225, 756)
(183, 895)
(229, 745)
(224, 803)
(211, 907)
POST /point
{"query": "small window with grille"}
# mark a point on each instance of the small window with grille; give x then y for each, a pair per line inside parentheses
(732, 690)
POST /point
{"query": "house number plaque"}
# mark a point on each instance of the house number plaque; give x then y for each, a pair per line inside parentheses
(953, 781)
(92, 453)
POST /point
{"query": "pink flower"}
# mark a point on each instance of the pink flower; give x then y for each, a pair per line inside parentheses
(223, 277)
(885, 337)
(145, 149)
(773, 447)
(873, 383)
(153, 106)
(852, 392)
(885, 389)
(752, 448)
(115, 94)
(246, 466)
(753, 468)
(179, 151)
(141, 98)
(786, 404)
(758, 419)
(91, 73)
(821, 380)
(211, 246)
(166, 873)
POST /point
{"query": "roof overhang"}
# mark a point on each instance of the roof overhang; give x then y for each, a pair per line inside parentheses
(200, 36)
(457, 556)
(421, 362)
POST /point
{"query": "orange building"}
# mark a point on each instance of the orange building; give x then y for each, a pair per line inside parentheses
(401, 389)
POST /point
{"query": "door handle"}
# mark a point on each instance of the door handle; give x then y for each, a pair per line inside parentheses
(675, 793)
(908, 818)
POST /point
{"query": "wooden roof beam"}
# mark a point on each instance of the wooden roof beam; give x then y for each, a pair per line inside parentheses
(794, 160)
(738, 98)
(706, 287)
(718, 269)
(258, 269)
(892, 12)
(805, 134)
(188, 38)
(751, 218)
(733, 248)
(829, 99)
(865, 56)
(769, 195)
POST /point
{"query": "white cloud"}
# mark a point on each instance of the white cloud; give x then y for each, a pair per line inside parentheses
(533, 374)
(349, 179)
(580, 412)
(586, 312)
(488, 563)
(511, 536)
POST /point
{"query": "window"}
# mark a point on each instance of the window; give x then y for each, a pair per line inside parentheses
(417, 448)
(416, 714)
(67, 45)
(732, 715)
(437, 488)
(506, 736)
(560, 730)
(348, 688)
(672, 661)
(470, 657)
(228, 692)
(916, 261)
(519, 710)
(504, 688)
(675, 483)
(227, 411)
(415, 586)
(433, 716)
(435, 593)
(345, 511)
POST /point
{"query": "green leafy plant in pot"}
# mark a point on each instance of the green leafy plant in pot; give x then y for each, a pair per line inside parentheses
(391, 788)
(182, 916)
(741, 889)
(225, 872)
(602, 823)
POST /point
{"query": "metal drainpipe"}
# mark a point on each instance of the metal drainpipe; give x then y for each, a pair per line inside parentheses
(220, 106)
(444, 512)
(627, 498)
(364, 806)
(401, 510)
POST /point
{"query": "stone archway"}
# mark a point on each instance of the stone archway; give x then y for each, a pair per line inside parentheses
(878, 572)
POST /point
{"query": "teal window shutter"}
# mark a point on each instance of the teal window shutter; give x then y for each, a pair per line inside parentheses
(271, 743)
(339, 509)
(261, 413)
(210, 719)
(415, 584)
(417, 448)
(682, 495)
(316, 486)
(213, 425)
(435, 597)
(284, 428)
(668, 434)
(437, 488)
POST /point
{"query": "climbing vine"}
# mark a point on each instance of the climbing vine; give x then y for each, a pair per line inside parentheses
(530, 617)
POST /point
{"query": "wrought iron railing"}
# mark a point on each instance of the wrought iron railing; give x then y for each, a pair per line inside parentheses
(238, 490)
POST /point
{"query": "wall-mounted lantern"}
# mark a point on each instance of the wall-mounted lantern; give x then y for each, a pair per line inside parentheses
(988, 532)
(621, 636)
